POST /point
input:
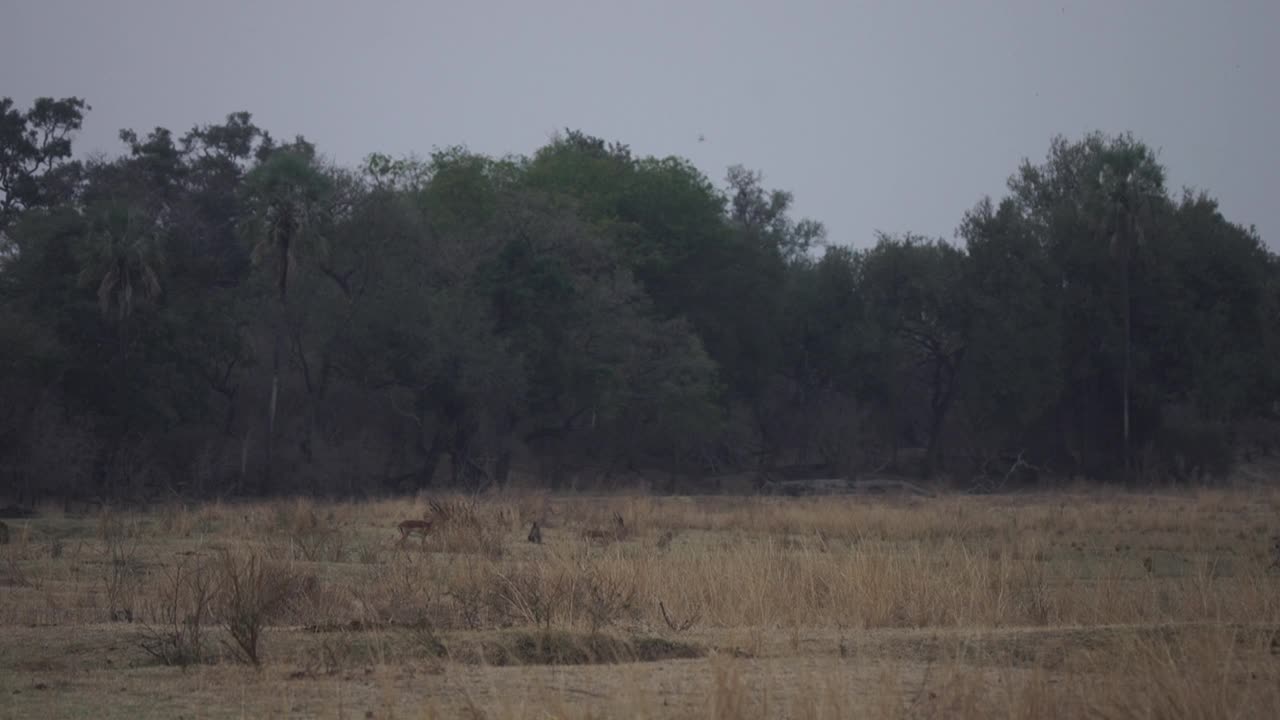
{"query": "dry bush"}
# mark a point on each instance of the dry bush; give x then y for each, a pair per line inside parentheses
(253, 592)
(328, 658)
(469, 539)
(320, 544)
(317, 601)
(471, 591)
(174, 624)
(572, 590)
(120, 539)
(679, 623)
(539, 594)
(608, 591)
(404, 590)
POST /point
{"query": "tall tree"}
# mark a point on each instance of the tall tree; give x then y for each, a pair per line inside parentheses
(1086, 204)
(1130, 182)
(918, 291)
(285, 194)
(1014, 380)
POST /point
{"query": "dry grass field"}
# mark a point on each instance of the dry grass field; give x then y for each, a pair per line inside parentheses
(1088, 604)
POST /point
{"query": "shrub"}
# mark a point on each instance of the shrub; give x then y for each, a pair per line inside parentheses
(173, 626)
(253, 592)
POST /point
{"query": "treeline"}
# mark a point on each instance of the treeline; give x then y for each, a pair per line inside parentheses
(220, 312)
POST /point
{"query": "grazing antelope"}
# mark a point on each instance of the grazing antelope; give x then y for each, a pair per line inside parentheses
(535, 534)
(409, 527)
(604, 537)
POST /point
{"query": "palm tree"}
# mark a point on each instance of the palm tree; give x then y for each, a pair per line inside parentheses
(285, 194)
(122, 258)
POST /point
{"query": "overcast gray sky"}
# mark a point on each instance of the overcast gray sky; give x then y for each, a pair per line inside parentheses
(890, 115)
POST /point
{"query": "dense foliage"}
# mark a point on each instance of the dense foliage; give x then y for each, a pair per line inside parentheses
(219, 312)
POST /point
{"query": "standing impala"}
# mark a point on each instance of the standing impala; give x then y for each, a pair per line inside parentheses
(409, 527)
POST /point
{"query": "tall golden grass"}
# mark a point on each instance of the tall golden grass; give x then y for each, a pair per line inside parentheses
(1090, 604)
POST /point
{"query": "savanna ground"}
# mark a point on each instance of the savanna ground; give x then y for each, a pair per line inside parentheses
(1091, 603)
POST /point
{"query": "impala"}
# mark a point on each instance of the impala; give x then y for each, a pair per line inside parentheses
(409, 527)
